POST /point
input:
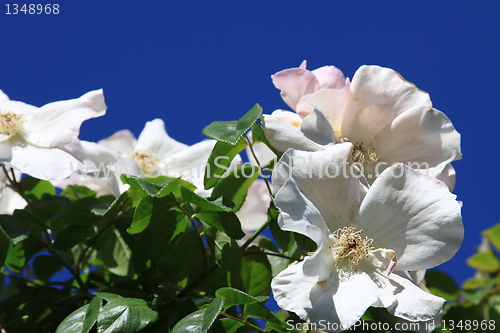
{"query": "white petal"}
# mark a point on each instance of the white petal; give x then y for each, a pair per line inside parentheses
(295, 83)
(316, 127)
(57, 124)
(3, 97)
(10, 200)
(122, 141)
(378, 96)
(298, 214)
(413, 215)
(420, 135)
(282, 129)
(43, 163)
(324, 177)
(329, 301)
(443, 171)
(412, 303)
(154, 139)
(190, 162)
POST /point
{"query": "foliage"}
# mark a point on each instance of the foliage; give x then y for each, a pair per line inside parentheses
(162, 258)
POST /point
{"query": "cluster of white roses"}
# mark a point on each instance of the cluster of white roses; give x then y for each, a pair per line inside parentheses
(375, 219)
(372, 229)
(43, 143)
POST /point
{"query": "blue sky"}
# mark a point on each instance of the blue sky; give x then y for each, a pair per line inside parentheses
(193, 62)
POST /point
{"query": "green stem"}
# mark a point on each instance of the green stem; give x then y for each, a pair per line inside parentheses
(244, 322)
(254, 236)
(246, 252)
(250, 145)
(56, 254)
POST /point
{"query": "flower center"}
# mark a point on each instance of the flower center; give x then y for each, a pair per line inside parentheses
(348, 244)
(361, 154)
(147, 161)
(11, 123)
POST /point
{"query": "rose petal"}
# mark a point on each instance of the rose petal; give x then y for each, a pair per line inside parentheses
(413, 215)
(295, 83)
(57, 124)
(378, 96)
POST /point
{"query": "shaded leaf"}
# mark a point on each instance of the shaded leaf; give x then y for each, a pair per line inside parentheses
(211, 313)
(235, 185)
(219, 161)
(125, 315)
(231, 131)
(442, 285)
(234, 296)
(484, 261)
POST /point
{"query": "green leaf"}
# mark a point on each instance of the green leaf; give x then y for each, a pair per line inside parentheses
(37, 187)
(15, 229)
(45, 266)
(474, 283)
(74, 322)
(77, 192)
(191, 197)
(234, 296)
(484, 261)
(255, 275)
(267, 244)
(184, 257)
(285, 239)
(149, 209)
(219, 161)
(226, 222)
(259, 311)
(149, 187)
(5, 244)
(114, 251)
(153, 241)
(231, 131)
(191, 323)
(125, 315)
(80, 212)
(493, 235)
(226, 251)
(72, 235)
(174, 187)
(235, 185)
(211, 313)
(230, 325)
(258, 135)
(91, 314)
(106, 209)
(442, 285)
(475, 296)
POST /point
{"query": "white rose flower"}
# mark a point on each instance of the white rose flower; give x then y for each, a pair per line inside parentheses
(33, 139)
(405, 222)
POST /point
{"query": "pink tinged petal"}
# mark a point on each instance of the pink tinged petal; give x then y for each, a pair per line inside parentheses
(282, 129)
(295, 83)
(413, 215)
(57, 124)
(324, 177)
(329, 77)
(253, 213)
(332, 102)
(328, 301)
(43, 163)
(154, 139)
(379, 95)
(418, 135)
(443, 171)
(412, 303)
(122, 141)
(317, 128)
